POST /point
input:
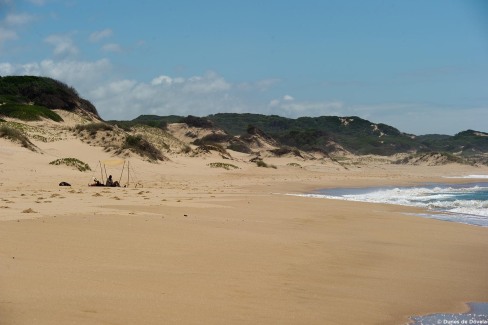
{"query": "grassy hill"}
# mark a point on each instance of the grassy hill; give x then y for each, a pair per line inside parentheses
(307, 133)
(31, 98)
(326, 133)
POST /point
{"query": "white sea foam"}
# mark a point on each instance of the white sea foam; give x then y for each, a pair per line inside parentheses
(469, 176)
(461, 203)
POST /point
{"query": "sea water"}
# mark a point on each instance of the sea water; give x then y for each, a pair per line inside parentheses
(478, 315)
(463, 203)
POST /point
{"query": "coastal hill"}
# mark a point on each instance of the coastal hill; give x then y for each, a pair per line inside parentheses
(31, 98)
(43, 109)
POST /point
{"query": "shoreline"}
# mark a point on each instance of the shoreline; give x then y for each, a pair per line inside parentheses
(477, 314)
(449, 207)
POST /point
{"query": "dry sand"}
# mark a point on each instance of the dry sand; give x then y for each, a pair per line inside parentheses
(199, 245)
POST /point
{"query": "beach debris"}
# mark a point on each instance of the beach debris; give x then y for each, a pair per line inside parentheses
(29, 211)
(97, 194)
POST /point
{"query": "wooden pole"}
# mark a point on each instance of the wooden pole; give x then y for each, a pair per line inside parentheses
(105, 168)
(122, 173)
(101, 171)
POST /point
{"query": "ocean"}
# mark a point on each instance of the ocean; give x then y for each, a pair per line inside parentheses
(463, 203)
(478, 314)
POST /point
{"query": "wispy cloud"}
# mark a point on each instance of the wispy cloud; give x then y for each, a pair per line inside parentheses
(100, 35)
(18, 19)
(10, 23)
(7, 35)
(63, 45)
(112, 47)
(209, 83)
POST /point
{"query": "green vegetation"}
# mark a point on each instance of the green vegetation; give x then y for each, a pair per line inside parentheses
(198, 122)
(306, 133)
(261, 163)
(43, 92)
(93, 128)
(213, 138)
(329, 133)
(294, 165)
(144, 119)
(239, 146)
(139, 145)
(285, 151)
(437, 158)
(72, 162)
(16, 135)
(222, 165)
(28, 112)
(129, 125)
(213, 147)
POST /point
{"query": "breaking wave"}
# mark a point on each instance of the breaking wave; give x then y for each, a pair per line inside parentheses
(465, 203)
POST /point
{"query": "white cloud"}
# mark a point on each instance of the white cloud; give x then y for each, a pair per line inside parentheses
(209, 83)
(100, 35)
(112, 47)
(63, 45)
(274, 103)
(9, 23)
(162, 80)
(7, 35)
(84, 76)
(18, 19)
(266, 84)
(164, 95)
(288, 98)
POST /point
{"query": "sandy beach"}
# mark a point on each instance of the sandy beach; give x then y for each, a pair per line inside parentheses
(201, 245)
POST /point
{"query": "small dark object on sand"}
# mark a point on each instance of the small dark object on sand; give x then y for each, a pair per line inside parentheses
(64, 184)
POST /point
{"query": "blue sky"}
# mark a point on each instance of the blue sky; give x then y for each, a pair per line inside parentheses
(418, 65)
